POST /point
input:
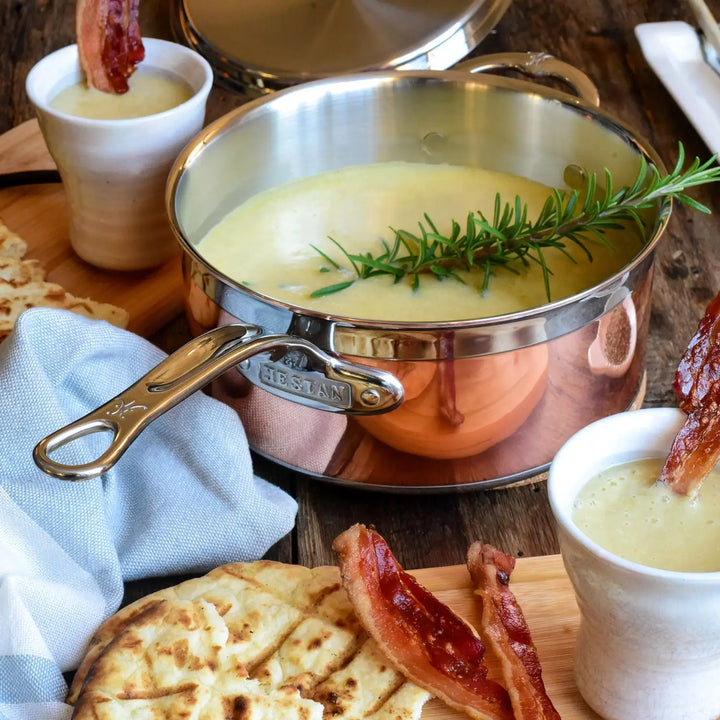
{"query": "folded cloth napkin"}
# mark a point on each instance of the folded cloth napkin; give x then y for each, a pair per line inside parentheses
(183, 499)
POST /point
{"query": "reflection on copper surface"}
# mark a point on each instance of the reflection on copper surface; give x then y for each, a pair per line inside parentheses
(466, 406)
(463, 421)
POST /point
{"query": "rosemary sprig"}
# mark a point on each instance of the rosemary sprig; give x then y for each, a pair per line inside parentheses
(509, 237)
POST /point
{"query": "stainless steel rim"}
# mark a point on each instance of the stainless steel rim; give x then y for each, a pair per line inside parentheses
(423, 341)
(453, 33)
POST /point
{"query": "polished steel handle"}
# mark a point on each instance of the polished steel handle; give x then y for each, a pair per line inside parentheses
(536, 65)
(370, 391)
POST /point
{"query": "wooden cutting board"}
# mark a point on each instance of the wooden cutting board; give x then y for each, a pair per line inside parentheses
(38, 214)
(548, 602)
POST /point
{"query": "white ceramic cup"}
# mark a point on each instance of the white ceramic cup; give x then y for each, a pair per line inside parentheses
(649, 640)
(114, 171)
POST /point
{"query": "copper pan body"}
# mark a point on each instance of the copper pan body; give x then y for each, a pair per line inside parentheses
(487, 402)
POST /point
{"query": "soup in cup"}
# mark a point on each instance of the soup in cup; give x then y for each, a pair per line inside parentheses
(649, 638)
(114, 151)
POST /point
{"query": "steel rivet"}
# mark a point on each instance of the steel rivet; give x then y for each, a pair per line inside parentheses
(370, 397)
(433, 143)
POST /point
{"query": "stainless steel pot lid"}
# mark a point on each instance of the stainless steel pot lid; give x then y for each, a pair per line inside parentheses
(257, 46)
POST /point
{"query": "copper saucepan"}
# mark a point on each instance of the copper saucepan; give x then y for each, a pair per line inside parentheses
(418, 406)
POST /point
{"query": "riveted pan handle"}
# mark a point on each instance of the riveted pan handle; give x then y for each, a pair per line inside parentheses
(536, 65)
(366, 391)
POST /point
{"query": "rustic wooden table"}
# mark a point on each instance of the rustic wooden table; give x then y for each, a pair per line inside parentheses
(596, 36)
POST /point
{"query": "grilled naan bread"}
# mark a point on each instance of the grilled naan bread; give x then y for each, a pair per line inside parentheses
(248, 640)
(11, 244)
(23, 285)
(15, 299)
(17, 272)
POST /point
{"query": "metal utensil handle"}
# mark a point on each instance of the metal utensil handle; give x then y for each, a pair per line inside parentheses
(188, 369)
(535, 65)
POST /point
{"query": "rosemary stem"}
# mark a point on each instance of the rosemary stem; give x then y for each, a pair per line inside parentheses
(568, 218)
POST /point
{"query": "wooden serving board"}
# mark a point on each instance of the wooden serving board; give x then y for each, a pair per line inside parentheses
(37, 213)
(548, 602)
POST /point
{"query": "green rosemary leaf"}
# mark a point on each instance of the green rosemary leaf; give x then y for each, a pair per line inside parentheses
(439, 271)
(346, 254)
(523, 221)
(506, 216)
(580, 243)
(557, 215)
(470, 235)
(590, 193)
(327, 257)
(489, 229)
(508, 264)
(455, 233)
(408, 240)
(539, 258)
(520, 214)
(329, 289)
(608, 188)
(422, 250)
(430, 223)
(496, 210)
(511, 240)
(455, 276)
(692, 203)
(681, 161)
(378, 263)
(640, 180)
(634, 216)
(571, 202)
(486, 276)
(562, 249)
(595, 235)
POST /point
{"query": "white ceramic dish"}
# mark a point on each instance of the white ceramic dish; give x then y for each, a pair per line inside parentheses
(649, 640)
(114, 171)
(674, 52)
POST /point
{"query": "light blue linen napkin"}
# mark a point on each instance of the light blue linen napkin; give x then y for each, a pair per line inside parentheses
(183, 499)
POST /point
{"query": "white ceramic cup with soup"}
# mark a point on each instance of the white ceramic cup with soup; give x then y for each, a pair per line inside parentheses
(649, 639)
(114, 169)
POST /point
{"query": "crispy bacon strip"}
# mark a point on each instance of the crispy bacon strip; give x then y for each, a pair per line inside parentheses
(109, 42)
(504, 626)
(423, 638)
(696, 448)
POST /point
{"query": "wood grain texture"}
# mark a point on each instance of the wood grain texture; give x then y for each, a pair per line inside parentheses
(596, 36)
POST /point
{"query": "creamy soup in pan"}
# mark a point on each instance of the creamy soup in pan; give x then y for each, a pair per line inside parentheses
(148, 94)
(625, 511)
(267, 242)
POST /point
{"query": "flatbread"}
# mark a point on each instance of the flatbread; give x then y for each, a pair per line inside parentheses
(23, 285)
(16, 272)
(11, 244)
(275, 640)
(172, 661)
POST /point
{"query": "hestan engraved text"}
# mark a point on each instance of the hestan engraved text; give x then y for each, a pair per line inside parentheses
(309, 385)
